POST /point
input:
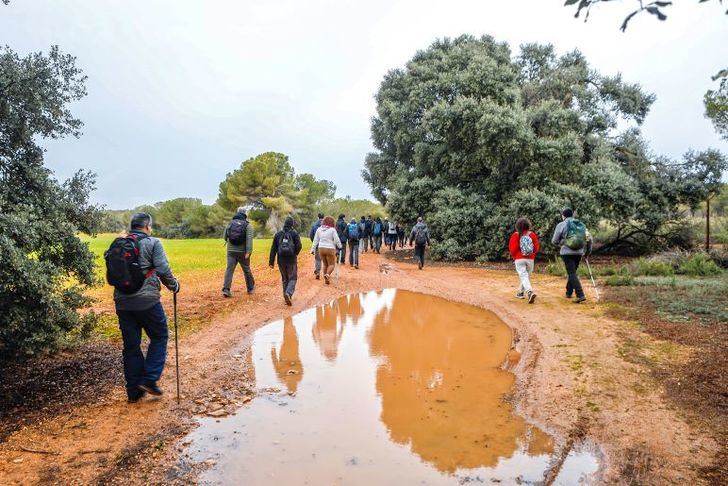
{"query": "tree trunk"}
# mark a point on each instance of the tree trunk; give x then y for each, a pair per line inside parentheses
(707, 224)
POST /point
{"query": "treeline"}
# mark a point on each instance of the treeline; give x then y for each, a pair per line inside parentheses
(190, 218)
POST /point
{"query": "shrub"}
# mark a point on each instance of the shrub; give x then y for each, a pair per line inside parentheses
(619, 280)
(720, 257)
(651, 268)
(699, 265)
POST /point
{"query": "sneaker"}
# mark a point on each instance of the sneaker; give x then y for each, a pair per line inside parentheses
(326, 278)
(226, 293)
(531, 297)
(579, 300)
(151, 388)
(137, 397)
(568, 295)
(520, 295)
(420, 265)
(356, 267)
(251, 291)
(318, 276)
(287, 298)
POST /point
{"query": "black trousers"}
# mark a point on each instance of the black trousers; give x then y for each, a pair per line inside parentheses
(289, 276)
(420, 253)
(573, 284)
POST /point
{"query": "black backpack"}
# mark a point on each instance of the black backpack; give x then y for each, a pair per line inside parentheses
(421, 235)
(122, 264)
(236, 233)
(286, 245)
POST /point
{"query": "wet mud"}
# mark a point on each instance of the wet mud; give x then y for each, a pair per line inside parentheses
(390, 387)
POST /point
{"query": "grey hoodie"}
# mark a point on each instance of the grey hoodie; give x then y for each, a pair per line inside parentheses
(417, 227)
(151, 256)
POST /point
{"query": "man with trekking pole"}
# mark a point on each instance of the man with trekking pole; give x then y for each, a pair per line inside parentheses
(574, 241)
(137, 266)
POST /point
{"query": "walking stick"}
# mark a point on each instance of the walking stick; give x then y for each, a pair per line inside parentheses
(591, 275)
(176, 343)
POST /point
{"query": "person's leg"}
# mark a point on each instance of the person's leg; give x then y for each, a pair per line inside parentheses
(522, 269)
(154, 322)
(342, 253)
(292, 278)
(249, 280)
(133, 358)
(232, 262)
(366, 242)
(420, 255)
(569, 266)
(576, 284)
(354, 254)
(283, 268)
(317, 265)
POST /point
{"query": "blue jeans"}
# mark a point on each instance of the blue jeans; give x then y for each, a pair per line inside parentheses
(137, 368)
(354, 252)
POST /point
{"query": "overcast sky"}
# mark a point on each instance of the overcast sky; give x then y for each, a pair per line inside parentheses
(181, 92)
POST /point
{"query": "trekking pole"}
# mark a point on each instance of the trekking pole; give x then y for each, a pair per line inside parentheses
(176, 344)
(591, 275)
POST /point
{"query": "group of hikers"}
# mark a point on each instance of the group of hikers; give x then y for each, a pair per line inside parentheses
(137, 267)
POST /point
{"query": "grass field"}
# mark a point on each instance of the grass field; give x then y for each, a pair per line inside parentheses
(199, 264)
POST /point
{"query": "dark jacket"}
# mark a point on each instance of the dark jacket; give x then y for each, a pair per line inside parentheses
(341, 229)
(151, 257)
(276, 240)
(314, 227)
(368, 227)
(246, 247)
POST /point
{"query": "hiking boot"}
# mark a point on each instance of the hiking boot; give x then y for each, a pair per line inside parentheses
(137, 397)
(531, 297)
(287, 298)
(251, 291)
(151, 388)
(226, 293)
(326, 278)
(568, 295)
(420, 265)
(356, 267)
(579, 300)
(520, 295)
(318, 275)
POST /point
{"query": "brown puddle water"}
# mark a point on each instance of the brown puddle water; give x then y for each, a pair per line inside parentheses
(389, 387)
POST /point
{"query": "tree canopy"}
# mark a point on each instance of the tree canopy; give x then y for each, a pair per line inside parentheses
(472, 138)
(45, 267)
(268, 186)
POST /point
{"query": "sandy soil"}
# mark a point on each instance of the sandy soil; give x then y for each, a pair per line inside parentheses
(572, 382)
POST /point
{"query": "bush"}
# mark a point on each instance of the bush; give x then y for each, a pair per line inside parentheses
(720, 257)
(699, 265)
(619, 280)
(651, 268)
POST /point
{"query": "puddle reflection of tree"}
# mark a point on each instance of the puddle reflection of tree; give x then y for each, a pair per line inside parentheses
(441, 385)
(287, 362)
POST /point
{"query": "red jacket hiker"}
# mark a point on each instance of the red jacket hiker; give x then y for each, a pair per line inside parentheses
(514, 246)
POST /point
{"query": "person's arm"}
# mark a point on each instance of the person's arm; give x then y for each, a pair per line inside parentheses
(225, 233)
(412, 236)
(513, 245)
(316, 238)
(427, 236)
(337, 240)
(248, 240)
(273, 250)
(161, 266)
(312, 232)
(536, 243)
(556, 239)
(297, 242)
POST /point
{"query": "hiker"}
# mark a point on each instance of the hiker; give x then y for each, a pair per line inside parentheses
(311, 234)
(353, 234)
(575, 242)
(341, 231)
(369, 231)
(523, 247)
(420, 235)
(364, 235)
(392, 235)
(135, 266)
(286, 246)
(377, 229)
(400, 235)
(238, 236)
(326, 242)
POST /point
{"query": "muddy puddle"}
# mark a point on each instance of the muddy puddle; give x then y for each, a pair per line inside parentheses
(389, 387)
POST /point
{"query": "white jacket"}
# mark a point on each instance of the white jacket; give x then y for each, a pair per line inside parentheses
(326, 238)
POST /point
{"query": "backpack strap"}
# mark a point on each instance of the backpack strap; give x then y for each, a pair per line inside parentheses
(136, 239)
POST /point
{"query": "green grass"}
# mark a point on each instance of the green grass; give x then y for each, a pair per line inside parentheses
(190, 256)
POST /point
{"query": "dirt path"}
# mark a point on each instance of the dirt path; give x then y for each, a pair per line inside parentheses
(572, 382)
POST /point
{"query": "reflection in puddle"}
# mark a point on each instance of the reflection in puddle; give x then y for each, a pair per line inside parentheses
(381, 388)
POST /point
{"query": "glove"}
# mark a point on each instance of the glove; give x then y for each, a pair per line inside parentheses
(176, 286)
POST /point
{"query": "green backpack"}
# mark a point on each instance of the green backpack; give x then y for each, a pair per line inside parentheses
(575, 234)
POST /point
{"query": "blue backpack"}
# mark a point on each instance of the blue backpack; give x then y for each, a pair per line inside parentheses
(353, 229)
(377, 229)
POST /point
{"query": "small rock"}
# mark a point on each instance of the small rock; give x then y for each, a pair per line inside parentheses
(220, 412)
(292, 372)
(247, 398)
(18, 460)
